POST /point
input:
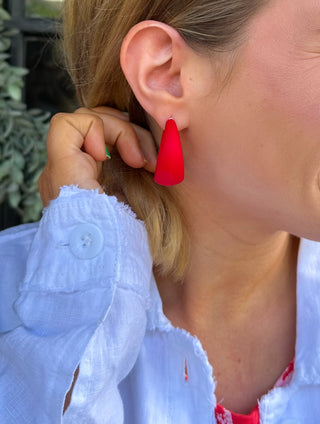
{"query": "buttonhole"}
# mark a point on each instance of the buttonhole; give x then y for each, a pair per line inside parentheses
(63, 244)
(186, 374)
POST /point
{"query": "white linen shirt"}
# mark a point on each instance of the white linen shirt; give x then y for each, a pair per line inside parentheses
(78, 288)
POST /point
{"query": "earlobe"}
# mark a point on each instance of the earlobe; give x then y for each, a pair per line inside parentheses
(152, 59)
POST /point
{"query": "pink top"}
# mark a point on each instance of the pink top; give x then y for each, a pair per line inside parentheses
(224, 416)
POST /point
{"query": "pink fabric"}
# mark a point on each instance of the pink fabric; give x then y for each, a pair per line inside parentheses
(224, 416)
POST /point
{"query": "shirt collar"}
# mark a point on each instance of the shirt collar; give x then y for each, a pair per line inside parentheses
(307, 361)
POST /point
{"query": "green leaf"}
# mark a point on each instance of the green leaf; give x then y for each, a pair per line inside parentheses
(17, 177)
(5, 168)
(18, 71)
(18, 160)
(15, 80)
(4, 44)
(29, 201)
(12, 188)
(14, 199)
(10, 32)
(37, 113)
(24, 123)
(15, 92)
(13, 104)
(15, 112)
(4, 56)
(32, 212)
(4, 15)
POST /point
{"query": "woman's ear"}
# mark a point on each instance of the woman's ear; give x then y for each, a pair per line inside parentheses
(153, 57)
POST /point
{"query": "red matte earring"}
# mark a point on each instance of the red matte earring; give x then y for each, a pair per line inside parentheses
(170, 168)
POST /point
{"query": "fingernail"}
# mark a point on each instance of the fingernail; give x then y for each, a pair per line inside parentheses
(108, 153)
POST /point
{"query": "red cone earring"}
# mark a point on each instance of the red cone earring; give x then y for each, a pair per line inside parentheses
(170, 167)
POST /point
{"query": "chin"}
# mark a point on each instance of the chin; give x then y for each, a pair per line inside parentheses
(310, 231)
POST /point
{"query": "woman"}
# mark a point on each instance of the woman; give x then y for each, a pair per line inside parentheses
(222, 324)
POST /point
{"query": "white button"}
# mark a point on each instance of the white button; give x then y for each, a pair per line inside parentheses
(86, 241)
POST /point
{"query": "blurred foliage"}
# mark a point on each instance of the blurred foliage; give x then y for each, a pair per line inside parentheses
(43, 8)
(22, 137)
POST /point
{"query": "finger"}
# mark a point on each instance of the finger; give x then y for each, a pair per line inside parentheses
(118, 132)
(135, 144)
(69, 132)
(148, 148)
(109, 111)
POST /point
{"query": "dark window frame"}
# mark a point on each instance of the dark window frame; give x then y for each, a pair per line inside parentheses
(29, 28)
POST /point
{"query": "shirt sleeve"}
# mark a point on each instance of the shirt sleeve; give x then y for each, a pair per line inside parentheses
(82, 300)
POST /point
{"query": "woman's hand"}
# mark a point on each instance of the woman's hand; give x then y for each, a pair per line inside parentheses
(77, 143)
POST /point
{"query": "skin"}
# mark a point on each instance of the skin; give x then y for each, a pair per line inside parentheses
(252, 165)
(262, 133)
(76, 148)
(264, 126)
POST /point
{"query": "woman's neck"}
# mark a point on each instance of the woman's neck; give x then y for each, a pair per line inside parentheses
(239, 290)
(238, 297)
(234, 261)
(234, 281)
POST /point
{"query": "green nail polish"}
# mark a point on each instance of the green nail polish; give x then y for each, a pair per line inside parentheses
(108, 153)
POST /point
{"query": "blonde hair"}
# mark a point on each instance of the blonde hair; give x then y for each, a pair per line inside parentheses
(93, 34)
